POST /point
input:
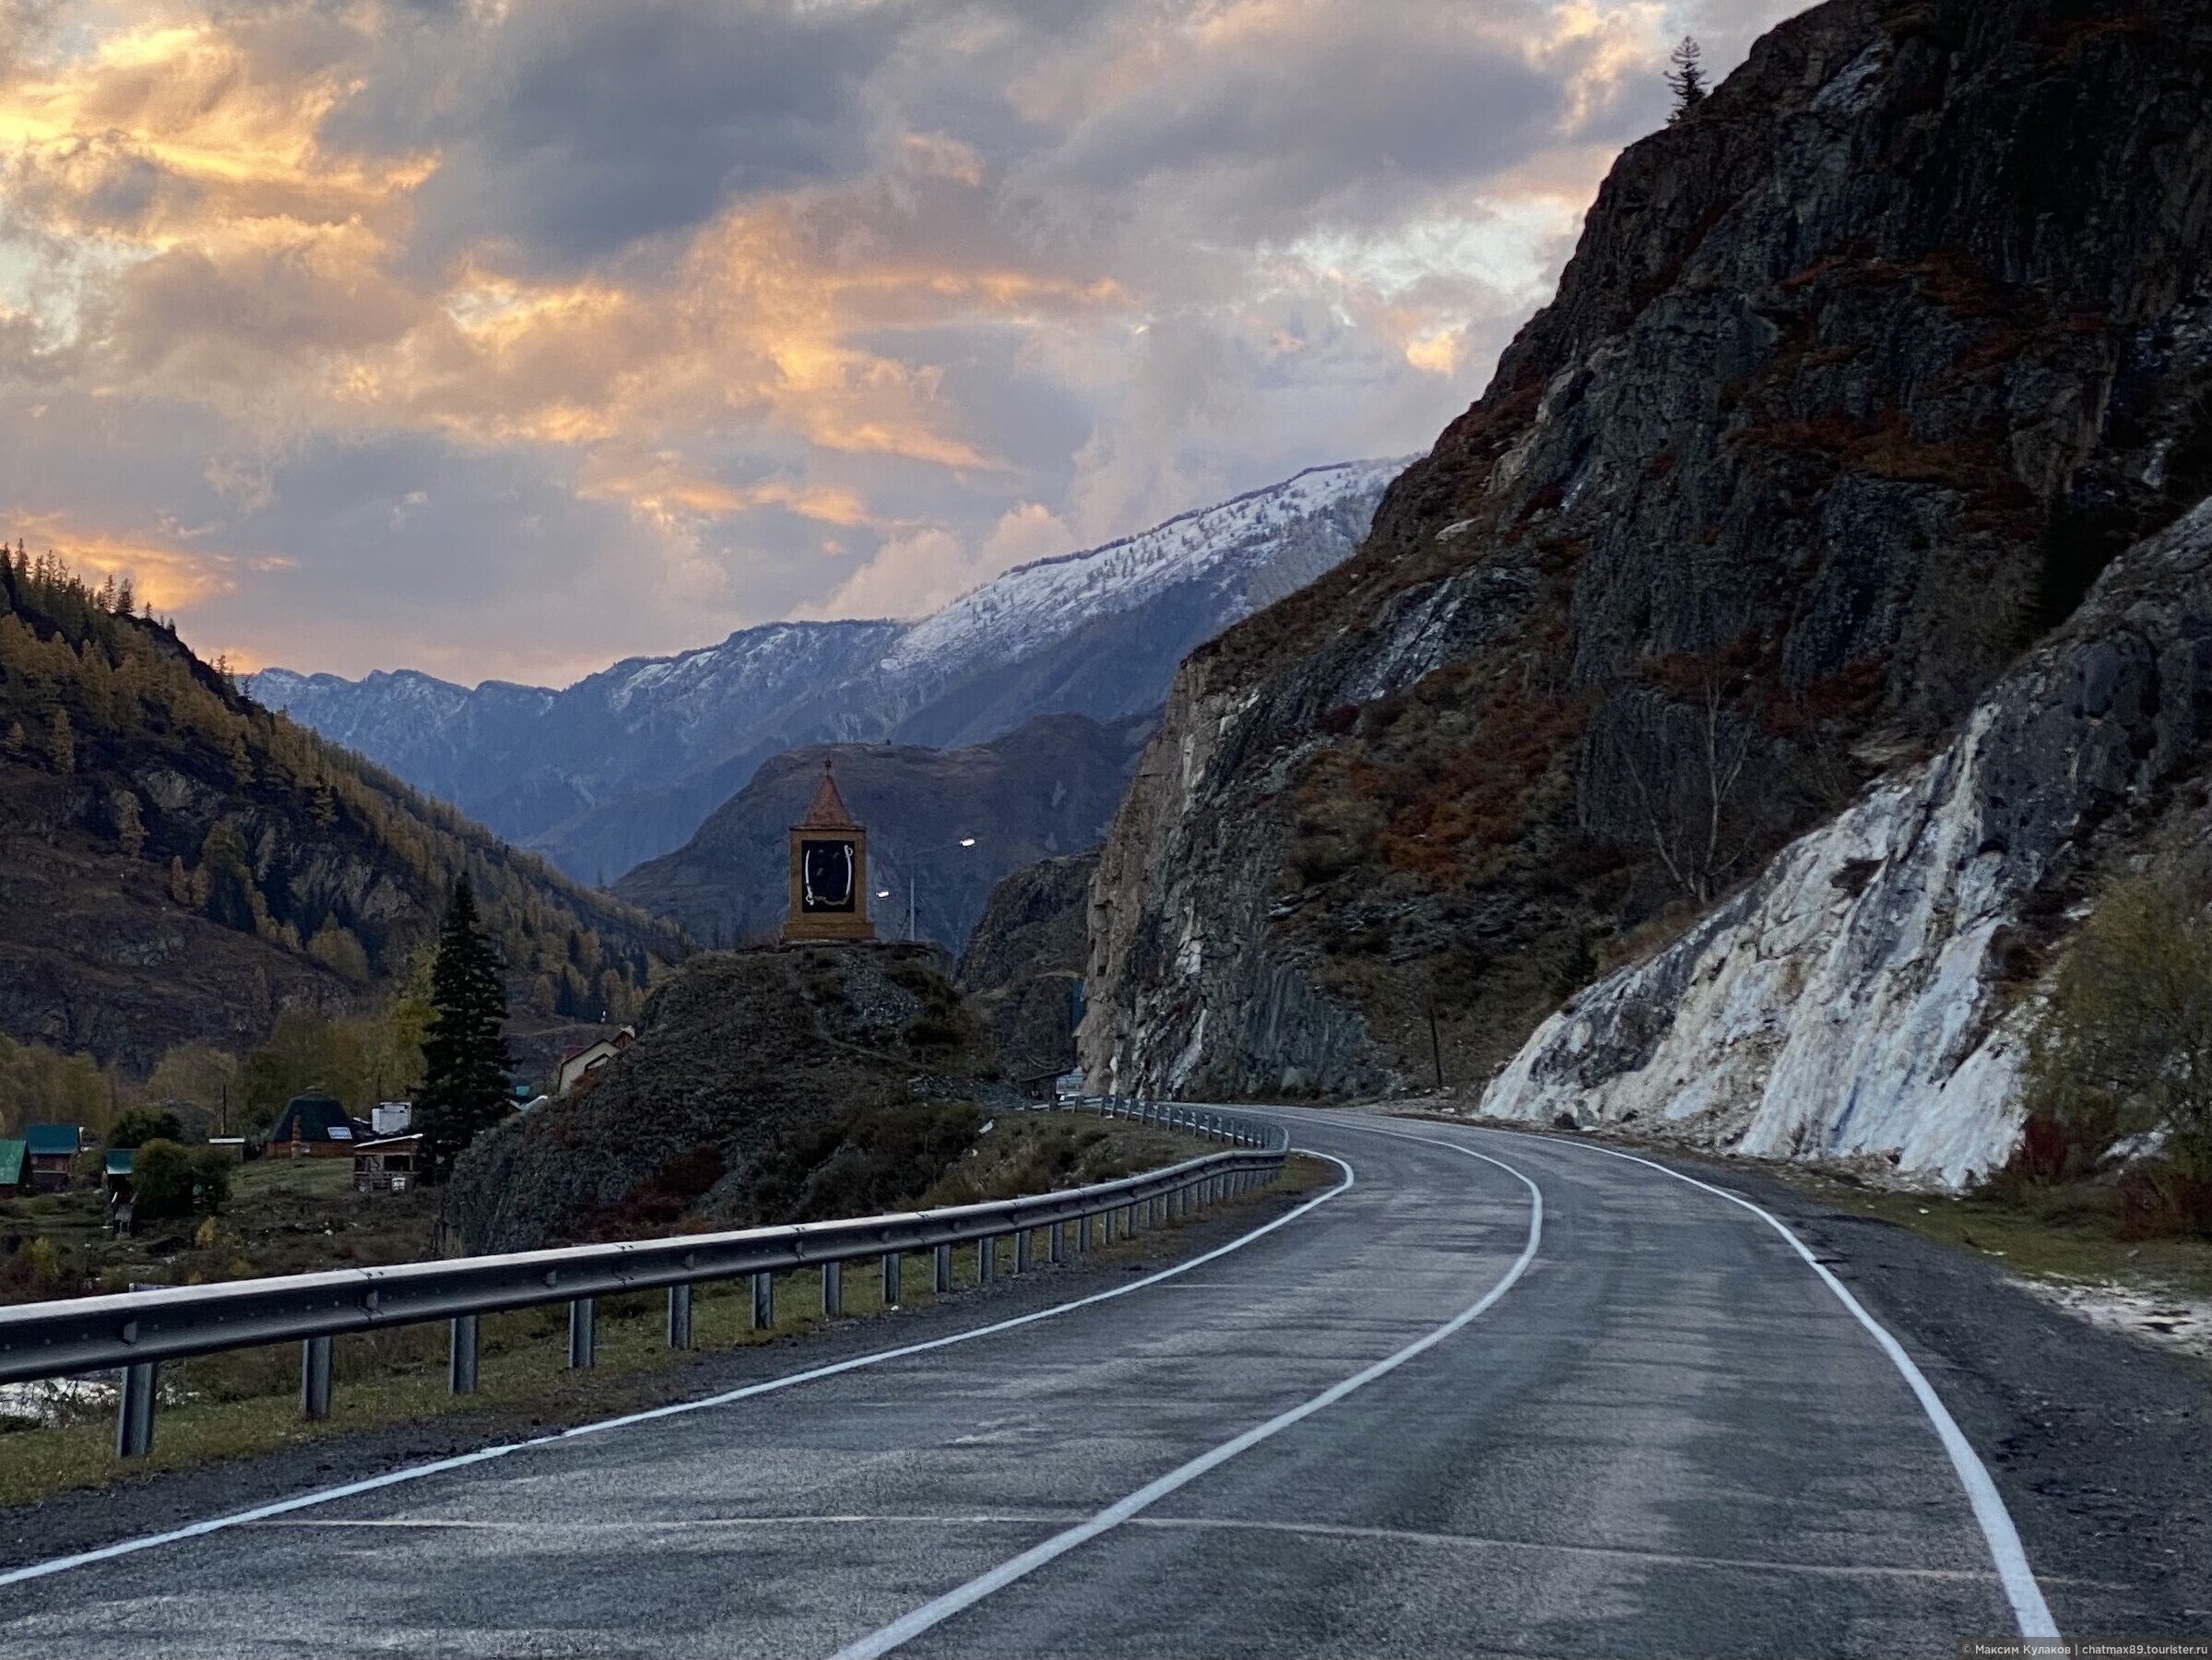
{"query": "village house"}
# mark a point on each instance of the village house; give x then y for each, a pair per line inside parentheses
(315, 1126)
(13, 1169)
(589, 1056)
(387, 1166)
(52, 1150)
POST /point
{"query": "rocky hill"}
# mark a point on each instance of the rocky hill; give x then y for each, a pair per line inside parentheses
(177, 863)
(1860, 375)
(765, 1086)
(1050, 788)
(1023, 970)
(627, 764)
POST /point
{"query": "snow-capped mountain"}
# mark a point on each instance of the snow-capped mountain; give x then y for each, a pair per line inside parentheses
(1034, 605)
(627, 763)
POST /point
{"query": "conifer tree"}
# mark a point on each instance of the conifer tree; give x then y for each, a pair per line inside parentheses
(464, 1056)
(1687, 78)
(61, 743)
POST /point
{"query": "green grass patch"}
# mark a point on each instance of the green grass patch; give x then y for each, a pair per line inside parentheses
(2066, 1233)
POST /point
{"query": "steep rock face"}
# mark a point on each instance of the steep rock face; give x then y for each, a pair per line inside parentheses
(1859, 376)
(1048, 788)
(1022, 970)
(1862, 999)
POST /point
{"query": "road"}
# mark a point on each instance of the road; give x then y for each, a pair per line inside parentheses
(1388, 1426)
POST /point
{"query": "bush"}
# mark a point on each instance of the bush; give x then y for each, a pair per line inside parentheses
(2124, 1048)
(161, 1180)
(171, 1180)
(211, 1169)
(2126, 1045)
(142, 1124)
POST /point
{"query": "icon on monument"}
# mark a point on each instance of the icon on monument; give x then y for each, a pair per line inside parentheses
(828, 870)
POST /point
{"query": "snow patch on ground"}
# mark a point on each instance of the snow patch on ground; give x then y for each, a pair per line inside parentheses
(2167, 1318)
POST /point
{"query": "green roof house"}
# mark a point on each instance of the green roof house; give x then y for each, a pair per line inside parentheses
(14, 1170)
(51, 1150)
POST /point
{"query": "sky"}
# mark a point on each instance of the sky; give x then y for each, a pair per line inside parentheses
(503, 339)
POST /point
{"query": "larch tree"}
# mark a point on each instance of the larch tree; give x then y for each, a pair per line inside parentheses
(1688, 77)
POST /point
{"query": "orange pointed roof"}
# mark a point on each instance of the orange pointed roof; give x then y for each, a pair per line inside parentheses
(829, 811)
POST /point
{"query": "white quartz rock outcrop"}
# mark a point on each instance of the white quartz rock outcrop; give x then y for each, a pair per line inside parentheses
(1848, 1004)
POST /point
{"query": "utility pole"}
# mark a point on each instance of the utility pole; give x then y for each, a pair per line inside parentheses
(1436, 1046)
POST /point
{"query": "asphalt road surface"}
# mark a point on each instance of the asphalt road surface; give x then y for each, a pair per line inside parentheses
(1431, 1415)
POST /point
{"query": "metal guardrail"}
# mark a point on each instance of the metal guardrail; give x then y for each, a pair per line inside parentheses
(133, 1331)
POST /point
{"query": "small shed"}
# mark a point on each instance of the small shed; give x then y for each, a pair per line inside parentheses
(388, 1166)
(589, 1056)
(115, 1177)
(15, 1169)
(315, 1126)
(52, 1150)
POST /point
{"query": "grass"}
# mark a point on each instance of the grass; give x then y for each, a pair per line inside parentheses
(2066, 1234)
(220, 1408)
(284, 1215)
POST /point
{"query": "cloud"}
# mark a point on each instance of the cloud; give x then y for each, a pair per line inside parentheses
(623, 324)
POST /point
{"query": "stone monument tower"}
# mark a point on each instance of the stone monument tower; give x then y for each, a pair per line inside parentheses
(829, 872)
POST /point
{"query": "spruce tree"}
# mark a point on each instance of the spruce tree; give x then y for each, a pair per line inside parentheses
(1688, 77)
(464, 1057)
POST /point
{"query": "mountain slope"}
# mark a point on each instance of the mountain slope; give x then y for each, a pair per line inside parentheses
(627, 763)
(1859, 376)
(1048, 788)
(177, 863)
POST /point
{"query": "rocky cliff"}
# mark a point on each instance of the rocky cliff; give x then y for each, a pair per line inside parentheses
(1859, 378)
(769, 1085)
(1024, 966)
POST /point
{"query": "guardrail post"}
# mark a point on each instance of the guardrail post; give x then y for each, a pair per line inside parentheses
(764, 1300)
(1082, 1232)
(891, 1279)
(583, 1332)
(680, 1317)
(987, 1261)
(833, 1289)
(1024, 1244)
(460, 1370)
(1060, 1243)
(943, 1266)
(315, 1379)
(134, 1410)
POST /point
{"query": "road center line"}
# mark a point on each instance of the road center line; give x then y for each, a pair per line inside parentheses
(2030, 1610)
(931, 1614)
(263, 1513)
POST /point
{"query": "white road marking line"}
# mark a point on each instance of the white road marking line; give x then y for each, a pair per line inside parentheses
(2030, 1610)
(263, 1513)
(963, 1597)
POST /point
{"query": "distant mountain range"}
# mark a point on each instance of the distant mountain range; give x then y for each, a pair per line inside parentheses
(626, 764)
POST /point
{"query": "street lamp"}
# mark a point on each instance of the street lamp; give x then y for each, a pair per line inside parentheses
(914, 858)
